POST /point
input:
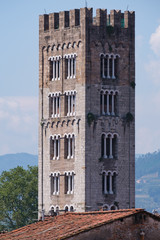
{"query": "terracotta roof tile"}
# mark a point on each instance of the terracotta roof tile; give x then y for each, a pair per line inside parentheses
(66, 225)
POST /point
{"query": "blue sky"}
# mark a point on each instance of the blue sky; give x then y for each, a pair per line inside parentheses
(19, 69)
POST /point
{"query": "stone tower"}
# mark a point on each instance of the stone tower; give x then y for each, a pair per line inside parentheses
(86, 110)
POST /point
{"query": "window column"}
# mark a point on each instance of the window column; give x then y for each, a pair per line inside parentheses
(108, 74)
(68, 105)
(54, 148)
(108, 113)
(71, 67)
(68, 67)
(113, 70)
(103, 75)
(74, 66)
(105, 156)
(58, 147)
(103, 103)
(73, 144)
(113, 103)
(110, 184)
(71, 104)
(69, 147)
(105, 184)
(110, 156)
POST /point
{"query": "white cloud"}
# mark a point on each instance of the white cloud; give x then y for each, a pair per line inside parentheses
(153, 69)
(18, 124)
(153, 66)
(155, 41)
(147, 122)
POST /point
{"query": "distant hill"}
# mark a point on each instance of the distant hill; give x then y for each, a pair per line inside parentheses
(9, 161)
(147, 164)
(148, 181)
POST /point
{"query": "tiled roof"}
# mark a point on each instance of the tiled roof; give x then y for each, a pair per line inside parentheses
(67, 225)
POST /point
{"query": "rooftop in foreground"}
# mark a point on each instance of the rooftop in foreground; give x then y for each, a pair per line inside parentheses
(69, 224)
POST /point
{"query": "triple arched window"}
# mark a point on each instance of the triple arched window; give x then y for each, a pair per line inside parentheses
(109, 102)
(109, 65)
(109, 182)
(54, 104)
(109, 145)
(54, 67)
(70, 65)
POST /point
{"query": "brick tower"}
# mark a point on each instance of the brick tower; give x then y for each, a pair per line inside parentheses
(86, 110)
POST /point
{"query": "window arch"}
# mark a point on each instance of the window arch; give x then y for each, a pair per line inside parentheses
(105, 207)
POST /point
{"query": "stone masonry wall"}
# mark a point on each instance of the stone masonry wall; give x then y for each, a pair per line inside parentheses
(77, 32)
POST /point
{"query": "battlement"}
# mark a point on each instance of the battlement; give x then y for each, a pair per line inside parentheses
(77, 17)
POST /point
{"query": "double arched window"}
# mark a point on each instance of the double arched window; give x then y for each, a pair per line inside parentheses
(55, 182)
(69, 145)
(55, 147)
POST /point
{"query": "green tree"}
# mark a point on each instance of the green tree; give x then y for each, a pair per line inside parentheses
(18, 197)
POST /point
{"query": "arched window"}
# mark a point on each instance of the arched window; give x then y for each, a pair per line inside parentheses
(54, 104)
(105, 207)
(66, 208)
(70, 65)
(69, 146)
(113, 207)
(54, 68)
(109, 145)
(108, 102)
(71, 209)
(55, 183)
(55, 147)
(70, 103)
(109, 182)
(109, 65)
(69, 182)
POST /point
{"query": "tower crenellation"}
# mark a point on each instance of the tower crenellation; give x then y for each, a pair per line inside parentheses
(74, 18)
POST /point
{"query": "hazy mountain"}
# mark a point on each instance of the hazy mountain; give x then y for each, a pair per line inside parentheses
(148, 181)
(9, 161)
(147, 164)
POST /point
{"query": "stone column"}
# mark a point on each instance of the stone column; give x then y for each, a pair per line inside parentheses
(110, 184)
(113, 104)
(113, 75)
(108, 104)
(108, 74)
(105, 156)
(110, 156)
(103, 68)
(54, 148)
(53, 70)
(103, 103)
